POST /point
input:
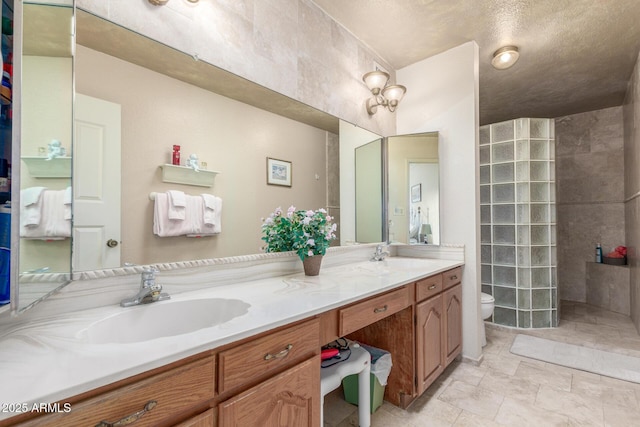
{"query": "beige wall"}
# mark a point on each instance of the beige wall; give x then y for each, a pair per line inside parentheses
(632, 186)
(233, 138)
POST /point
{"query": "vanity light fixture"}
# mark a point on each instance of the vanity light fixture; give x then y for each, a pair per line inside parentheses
(386, 96)
(505, 57)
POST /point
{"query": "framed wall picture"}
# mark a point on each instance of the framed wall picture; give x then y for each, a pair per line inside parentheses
(278, 172)
(416, 193)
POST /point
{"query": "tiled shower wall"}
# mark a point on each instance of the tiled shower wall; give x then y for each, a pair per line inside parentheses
(631, 114)
(518, 221)
(590, 197)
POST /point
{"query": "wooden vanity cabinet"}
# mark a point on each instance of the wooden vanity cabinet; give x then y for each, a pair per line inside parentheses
(421, 327)
(182, 393)
(273, 379)
(438, 325)
(287, 364)
(391, 329)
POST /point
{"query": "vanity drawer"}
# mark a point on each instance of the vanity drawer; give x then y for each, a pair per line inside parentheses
(272, 352)
(451, 277)
(428, 287)
(370, 311)
(178, 391)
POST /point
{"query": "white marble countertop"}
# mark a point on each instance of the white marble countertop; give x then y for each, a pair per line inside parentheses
(47, 360)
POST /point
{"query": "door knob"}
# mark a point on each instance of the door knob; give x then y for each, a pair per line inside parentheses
(112, 243)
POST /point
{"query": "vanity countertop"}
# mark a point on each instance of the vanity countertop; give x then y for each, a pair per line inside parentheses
(47, 360)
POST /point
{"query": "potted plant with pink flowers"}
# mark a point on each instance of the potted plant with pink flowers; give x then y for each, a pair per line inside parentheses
(307, 232)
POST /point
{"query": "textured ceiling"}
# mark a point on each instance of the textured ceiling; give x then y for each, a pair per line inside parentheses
(575, 55)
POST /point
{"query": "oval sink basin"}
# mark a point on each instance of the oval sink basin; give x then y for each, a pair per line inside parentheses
(162, 319)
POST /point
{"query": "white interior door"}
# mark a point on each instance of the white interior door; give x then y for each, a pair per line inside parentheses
(96, 184)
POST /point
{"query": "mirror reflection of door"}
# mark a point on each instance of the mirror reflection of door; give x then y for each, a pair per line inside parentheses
(369, 194)
(424, 221)
(96, 184)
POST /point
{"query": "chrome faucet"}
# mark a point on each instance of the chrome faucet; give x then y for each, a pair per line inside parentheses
(150, 291)
(379, 255)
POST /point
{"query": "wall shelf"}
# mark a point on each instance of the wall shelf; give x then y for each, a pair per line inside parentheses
(40, 167)
(185, 175)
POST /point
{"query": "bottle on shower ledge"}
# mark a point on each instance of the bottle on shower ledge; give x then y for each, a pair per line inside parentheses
(599, 253)
(175, 158)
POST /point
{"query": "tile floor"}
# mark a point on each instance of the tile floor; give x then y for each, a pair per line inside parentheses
(515, 391)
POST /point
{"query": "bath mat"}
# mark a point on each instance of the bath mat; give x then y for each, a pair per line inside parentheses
(578, 357)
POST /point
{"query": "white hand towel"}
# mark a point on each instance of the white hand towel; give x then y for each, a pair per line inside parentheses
(209, 201)
(208, 215)
(31, 206)
(217, 219)
(53, 225)
(177, 205)
(54, 214)
(162, 225)
(68, 199)
(31, 195)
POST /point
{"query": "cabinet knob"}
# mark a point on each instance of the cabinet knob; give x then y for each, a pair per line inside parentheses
(112, 243)
(130, 419)
(432, 287)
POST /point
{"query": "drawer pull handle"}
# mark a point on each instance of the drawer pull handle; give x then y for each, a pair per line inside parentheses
(130, 419)
(380, 309)
(279, 355)
(432, 287)
(454, 277)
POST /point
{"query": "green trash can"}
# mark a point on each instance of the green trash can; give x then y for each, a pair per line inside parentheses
(350, 386)
(380, 366)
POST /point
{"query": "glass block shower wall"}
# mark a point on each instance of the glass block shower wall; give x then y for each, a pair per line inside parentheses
(518, 221)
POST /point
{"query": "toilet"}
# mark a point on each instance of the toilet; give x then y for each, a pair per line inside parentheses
(487, 303)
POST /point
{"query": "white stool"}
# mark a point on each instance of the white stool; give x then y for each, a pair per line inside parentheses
(330, 379)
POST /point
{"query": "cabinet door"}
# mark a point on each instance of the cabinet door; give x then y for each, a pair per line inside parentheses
(429, 341)
(453, 322)
(290, 399)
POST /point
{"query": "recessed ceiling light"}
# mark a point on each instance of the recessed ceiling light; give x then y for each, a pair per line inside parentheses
(505, 57)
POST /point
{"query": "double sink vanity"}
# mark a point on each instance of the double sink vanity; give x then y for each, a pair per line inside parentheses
(227, 353)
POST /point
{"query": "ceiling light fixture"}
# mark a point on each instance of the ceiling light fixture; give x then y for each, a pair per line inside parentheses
(505, 57)
(387, 96)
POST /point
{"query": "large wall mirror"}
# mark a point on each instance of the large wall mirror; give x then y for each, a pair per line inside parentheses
(414, 189)
(398, 190)
(134, 99)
